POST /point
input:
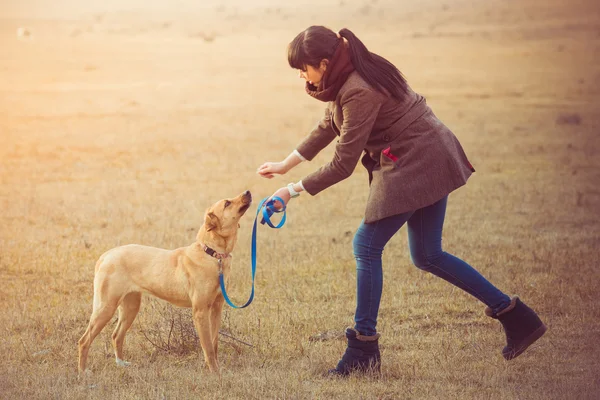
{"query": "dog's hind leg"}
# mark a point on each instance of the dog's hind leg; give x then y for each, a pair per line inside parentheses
(104, 307)
(98, 320)
(128, 310)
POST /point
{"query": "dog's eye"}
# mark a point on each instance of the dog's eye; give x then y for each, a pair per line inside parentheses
(227, 203)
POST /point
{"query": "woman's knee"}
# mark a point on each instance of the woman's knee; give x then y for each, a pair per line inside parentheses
(419, 261)
(359, 245)
(362, 246)
(425, 261)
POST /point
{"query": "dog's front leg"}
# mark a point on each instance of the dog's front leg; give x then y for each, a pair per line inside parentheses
(215, 322)
(201, 316)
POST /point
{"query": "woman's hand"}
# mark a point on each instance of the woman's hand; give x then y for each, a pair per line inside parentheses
(270, 169)
(284, 194)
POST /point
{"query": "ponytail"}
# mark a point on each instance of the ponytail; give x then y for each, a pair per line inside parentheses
(378, 72)
(318, 42)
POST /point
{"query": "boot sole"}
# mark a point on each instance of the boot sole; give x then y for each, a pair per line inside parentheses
(373, 371)
(528, 341)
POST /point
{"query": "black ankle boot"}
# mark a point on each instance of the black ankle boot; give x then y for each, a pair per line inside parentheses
(521, 325)
(362, 354)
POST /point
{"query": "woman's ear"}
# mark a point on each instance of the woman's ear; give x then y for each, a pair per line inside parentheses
(324, 64)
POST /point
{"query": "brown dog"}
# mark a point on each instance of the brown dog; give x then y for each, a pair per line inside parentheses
(185, 277)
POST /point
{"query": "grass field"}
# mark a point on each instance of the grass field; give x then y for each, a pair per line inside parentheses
(121, 122)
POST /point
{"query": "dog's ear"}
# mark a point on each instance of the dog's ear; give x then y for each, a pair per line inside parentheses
(211, 221)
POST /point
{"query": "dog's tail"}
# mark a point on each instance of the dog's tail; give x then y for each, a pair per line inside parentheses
(98, 282)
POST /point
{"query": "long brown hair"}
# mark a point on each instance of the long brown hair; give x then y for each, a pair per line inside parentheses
(318, 42)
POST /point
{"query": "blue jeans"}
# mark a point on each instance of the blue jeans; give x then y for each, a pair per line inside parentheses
(425, 242)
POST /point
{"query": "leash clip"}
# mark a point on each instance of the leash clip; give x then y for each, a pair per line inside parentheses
(220, 261)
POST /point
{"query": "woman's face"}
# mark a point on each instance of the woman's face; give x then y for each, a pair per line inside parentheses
(313, 75)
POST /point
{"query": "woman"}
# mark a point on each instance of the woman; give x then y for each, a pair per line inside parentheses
(414, 162)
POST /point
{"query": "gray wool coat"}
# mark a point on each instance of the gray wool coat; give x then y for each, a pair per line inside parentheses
(412, 158)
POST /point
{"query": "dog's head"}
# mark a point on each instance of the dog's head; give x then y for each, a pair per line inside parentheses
(223, 216)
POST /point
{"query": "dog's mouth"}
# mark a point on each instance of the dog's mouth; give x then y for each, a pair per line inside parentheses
(246, 201)
(244, 208)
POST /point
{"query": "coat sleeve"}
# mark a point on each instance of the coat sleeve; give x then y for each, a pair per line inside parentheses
(360, 107)
(318, 139)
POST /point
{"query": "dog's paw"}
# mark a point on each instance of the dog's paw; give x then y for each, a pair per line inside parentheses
(123, 363)
(84, 374)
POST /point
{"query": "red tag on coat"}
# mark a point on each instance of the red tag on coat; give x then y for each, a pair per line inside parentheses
(387, 152)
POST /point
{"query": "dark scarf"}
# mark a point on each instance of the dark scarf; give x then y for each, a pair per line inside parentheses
(338, 69)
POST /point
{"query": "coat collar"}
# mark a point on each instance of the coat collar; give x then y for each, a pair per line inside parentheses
(340, 66)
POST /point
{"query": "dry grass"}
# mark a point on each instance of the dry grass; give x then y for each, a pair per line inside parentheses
(112, 126)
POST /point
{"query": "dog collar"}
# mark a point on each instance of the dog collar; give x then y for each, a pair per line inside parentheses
(214, 253)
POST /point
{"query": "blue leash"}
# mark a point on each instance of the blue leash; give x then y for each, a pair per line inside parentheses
(268, 210)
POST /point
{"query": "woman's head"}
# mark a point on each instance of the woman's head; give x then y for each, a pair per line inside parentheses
(311, 50)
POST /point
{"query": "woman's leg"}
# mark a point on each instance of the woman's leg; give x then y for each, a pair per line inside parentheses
(362, 353)
(425, 241)
(369, 241)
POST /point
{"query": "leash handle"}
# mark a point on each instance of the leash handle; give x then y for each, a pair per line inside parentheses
(268, 209)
